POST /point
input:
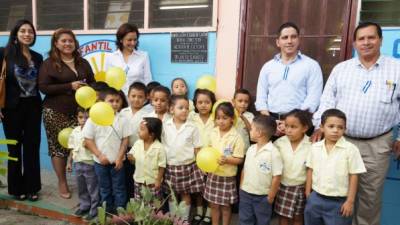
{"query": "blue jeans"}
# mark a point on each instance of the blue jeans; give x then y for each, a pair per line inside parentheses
(254, 209)
(324, 211)
(112, 186)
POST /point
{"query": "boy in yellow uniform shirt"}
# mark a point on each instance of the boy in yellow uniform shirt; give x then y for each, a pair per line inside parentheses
(333, 168)
(261, 174)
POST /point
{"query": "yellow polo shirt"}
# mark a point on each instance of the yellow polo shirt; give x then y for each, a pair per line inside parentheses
(259, 168)
(242, 130)
(231, 144)
(79, 152)
(294, 161)
(331, 170)
(148, 161)
(205, 129)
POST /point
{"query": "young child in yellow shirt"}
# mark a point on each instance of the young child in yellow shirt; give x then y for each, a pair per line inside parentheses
(221, 186)
(332, 175)
(294, 148)
(149, 156)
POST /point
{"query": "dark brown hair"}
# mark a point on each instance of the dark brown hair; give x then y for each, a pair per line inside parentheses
(54, 53)
(122, 31)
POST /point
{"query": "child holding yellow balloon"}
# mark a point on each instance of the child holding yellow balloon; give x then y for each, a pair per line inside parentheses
(182, 141)
(220, 189)
(204, 100)
(108, 143)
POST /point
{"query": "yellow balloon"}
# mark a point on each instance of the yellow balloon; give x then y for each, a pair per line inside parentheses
(207, 159)
(207, 82)
(115, 77)
(63, 136)
(85, 96)
(215, 108)
(100, 76)
(102, 114)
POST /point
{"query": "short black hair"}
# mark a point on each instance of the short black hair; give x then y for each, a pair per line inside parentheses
(227, 108)
(106, 92)
(267, 124)
(123, 99)
(138, 86)
(80, 110)
(99, 85)
(162, 89)
(242, 91)
(207, 92)
(174, 98)
(305, 117)
(286, 25)
(332, 113)
(151, 85)
(367, 24)
(154, 125)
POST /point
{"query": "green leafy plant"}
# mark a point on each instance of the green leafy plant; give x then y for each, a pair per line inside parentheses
(144, 212)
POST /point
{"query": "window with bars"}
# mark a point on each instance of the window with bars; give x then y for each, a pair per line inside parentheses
(107, 15)
(384, 12)
(13, 10)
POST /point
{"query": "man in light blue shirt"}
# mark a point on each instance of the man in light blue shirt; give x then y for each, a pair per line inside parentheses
(291, 80)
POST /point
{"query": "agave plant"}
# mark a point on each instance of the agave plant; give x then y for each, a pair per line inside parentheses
(144, 212)
(4, 155)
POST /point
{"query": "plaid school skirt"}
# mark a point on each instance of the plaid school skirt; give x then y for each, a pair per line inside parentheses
(290, 201)
(139, 186)
(184, 179)
(221, 190)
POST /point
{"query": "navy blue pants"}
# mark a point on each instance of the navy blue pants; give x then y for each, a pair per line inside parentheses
(324, 211)
(112, 186)
(254, 209)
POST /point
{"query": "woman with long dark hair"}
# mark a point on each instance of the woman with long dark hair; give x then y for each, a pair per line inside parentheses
(21, 115)
(64, 72)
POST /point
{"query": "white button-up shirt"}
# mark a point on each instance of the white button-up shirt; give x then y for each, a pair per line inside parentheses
(108, 139)
(180, 143)
(137, 68)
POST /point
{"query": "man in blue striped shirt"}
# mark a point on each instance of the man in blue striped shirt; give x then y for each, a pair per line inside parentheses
(290, 80)
(366, 89)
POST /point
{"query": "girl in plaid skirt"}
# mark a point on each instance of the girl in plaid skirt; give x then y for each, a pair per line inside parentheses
(294, 149)
(221, 190)
(182, 141)
(149, 157)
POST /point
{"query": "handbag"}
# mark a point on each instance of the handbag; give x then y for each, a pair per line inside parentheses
(3, 84)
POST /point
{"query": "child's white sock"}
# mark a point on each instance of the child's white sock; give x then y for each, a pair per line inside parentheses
(171, 208)
(199, 210)
(186, 213)
(208, 212)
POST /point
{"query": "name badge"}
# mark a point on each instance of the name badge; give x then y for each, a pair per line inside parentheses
(265, 167)
(228, 151)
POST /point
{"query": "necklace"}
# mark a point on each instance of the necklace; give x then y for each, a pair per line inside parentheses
(69, 61)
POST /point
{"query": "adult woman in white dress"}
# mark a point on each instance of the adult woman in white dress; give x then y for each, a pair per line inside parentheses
(135, 63)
